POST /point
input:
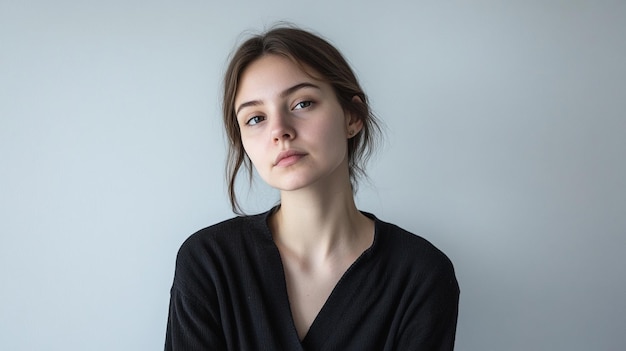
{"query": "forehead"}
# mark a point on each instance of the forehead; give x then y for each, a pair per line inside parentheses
(271, 74)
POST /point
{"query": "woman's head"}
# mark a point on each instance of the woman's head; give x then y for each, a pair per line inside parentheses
(323, 62)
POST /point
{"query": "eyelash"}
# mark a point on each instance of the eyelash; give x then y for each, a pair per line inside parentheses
(261, 118)
(308, 103)
(300, 105)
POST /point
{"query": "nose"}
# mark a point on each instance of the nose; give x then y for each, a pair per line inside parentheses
(282, 128)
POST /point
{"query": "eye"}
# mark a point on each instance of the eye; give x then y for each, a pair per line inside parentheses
(255, 120)
(303, 104)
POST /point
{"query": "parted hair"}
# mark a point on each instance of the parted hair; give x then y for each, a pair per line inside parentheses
(321, 60)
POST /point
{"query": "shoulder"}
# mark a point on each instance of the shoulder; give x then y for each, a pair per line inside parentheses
(212, 248)
(226, 235)
(422, 283)
(406, 250)
(228, 231)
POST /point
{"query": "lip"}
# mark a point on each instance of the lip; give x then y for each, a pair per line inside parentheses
(288, 157)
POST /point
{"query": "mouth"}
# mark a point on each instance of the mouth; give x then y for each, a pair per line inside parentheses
(288, 157)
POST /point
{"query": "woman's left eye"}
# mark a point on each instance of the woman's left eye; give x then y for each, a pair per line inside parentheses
(303, 104)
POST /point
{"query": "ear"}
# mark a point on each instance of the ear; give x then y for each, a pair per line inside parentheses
(353, 123)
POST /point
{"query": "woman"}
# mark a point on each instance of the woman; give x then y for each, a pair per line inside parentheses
(313, 273)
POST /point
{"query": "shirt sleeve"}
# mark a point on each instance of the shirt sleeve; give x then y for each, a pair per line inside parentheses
(431, 317)
(194, 321)
(191, 326)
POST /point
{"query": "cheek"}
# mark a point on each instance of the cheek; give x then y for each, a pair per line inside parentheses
(252, 150)
(333, 134)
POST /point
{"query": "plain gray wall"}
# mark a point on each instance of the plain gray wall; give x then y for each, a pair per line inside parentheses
(505, 147)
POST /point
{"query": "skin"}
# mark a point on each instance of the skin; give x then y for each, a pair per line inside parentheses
(319, 232)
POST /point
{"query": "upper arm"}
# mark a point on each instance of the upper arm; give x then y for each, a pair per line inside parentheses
(194, 321)
(431, 316)
(192, 324)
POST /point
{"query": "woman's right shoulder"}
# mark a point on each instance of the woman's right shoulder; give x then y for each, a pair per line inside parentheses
(208, 249)
(227, 235)
(226, 231)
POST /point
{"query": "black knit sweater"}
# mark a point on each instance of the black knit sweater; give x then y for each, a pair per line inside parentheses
(229, 293)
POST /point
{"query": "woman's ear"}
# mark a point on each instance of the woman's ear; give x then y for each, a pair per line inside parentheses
(354, 124)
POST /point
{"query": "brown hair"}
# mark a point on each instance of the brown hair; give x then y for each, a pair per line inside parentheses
(307, 50)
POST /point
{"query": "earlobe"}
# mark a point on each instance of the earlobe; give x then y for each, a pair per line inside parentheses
(353, 123)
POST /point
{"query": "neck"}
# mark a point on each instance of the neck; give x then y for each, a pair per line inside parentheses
(320, 221)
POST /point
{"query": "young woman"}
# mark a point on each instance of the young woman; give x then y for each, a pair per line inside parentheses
(314, 272)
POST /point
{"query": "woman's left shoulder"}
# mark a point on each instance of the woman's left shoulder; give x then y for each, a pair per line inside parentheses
(406, 247)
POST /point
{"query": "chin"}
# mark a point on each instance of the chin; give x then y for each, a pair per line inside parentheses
(291, 183)
(290, 186)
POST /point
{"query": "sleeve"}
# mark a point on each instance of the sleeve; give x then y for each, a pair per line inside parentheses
(194, 320)
(431, 318)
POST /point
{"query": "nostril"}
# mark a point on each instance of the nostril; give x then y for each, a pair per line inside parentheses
(282, 131)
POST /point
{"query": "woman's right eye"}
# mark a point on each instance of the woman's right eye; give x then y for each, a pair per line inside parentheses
(254, 120)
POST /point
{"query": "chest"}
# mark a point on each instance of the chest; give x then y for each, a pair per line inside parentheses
(359, 307)
(308, 290)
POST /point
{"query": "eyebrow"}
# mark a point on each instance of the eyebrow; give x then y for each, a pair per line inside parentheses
(283, 94)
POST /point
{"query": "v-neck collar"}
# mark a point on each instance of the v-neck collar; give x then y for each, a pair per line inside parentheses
(334, 307)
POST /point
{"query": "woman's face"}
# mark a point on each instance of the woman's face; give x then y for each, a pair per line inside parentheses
(292, 126)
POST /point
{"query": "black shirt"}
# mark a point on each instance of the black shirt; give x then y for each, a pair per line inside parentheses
(229, 293)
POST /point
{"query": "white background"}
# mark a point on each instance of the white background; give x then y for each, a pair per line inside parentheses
(505, 148)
